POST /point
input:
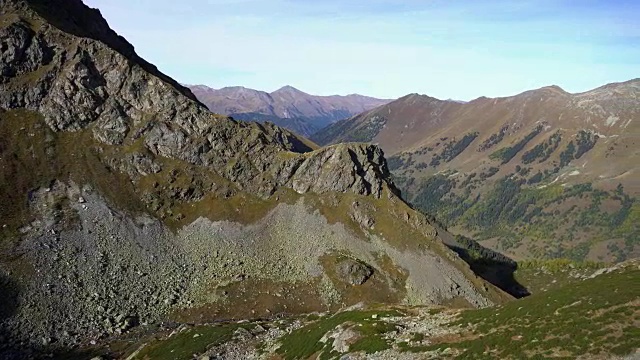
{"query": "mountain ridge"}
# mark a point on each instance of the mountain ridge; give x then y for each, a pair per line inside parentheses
(287, 106)
(544, 146)
(549, 93)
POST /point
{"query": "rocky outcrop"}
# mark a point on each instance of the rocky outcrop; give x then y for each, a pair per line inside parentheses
(353, 272)
(345, 167)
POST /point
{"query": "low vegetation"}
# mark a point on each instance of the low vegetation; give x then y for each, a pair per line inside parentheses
(494, 139)
(356, 132)
(540, 275)
(507, 153)
(189, 342)
(517, 208)
(574, 320)
(452, 149)
(305, 342)
(543, 151)
(584, 142)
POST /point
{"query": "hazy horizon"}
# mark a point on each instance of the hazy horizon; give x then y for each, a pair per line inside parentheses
(384, 49)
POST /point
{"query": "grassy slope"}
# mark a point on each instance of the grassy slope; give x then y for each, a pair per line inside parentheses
(545, 219)
(32, 156)
(533, 194)
(544, 275)
(305, 342)
(186, 343)
(593, 316)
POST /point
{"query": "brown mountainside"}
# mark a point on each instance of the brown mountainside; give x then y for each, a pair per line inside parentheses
(542, 173)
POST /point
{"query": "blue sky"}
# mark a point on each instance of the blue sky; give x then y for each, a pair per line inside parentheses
(386, 48)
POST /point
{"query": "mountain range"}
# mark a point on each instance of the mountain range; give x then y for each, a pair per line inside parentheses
(126, 203)
(544, 173)
(288, 107)
(137, 224)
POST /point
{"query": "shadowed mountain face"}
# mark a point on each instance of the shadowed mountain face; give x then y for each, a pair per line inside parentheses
(127, 202)
(288, 107)
(544, 173)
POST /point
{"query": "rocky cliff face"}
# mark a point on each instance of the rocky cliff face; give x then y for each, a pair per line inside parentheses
(80, 83)
(129, 203)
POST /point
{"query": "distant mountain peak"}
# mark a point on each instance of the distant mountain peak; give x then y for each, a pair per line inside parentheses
(199, 87)
(235, 88)
(420, 98)
(553, 88)
(310, 112)
(289, 90)
(630, 86)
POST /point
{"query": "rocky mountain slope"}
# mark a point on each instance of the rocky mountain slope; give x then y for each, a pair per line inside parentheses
(577, 321)
(287, 107)
(127, 203)
(541, 174)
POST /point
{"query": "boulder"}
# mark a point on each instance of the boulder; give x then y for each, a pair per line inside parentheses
(353, 272)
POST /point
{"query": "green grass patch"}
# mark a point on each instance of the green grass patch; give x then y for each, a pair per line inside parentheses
(370, 345)
(188, 343)
(304, 342)
(558, 265)
(372, 337)
(572, 319)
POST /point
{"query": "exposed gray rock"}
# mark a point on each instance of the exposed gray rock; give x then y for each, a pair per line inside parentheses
(242, 334)
(361, 215)
(135, 165)
(353, 271)
(22, 51)
(357, 168)
(112, 126)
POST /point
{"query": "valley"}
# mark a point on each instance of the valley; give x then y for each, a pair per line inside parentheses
(541, 174)
(144, 219)
(536, 326)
